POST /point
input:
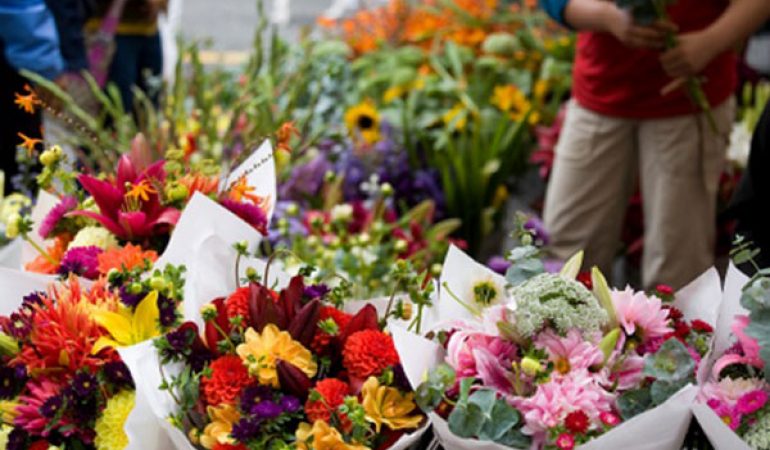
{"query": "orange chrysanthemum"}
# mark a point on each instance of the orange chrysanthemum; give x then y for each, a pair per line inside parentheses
(321, 340)
(200, 183)
(228, 377)
(55, 251)
(63, 333)
(368, 353)
(333, 393)
(125, 258)
(237, 304)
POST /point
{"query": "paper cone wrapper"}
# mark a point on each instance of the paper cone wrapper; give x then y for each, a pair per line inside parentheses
(10, 254)
(718, 433)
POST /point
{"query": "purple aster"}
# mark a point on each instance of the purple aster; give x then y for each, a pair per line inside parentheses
(19, 324)
(251, 214)
(83, 384)
(180, 340)
(267, 410)
(498, 264)
(82, 261)
(290, 404)
(51, 407)
(118, 374)
(537, 228)
(305, 180)
(246, 428)
(253, 395)
(33, 299)
(8, 382)
(56, 214)
(129, 299)
(17, 439)
(316, 291)
(167, 308)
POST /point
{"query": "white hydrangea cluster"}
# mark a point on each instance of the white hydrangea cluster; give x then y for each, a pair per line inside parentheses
(94, 236)
(552, 300)
(758, 436)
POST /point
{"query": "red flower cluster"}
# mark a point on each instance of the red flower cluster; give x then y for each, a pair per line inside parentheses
(577, 422)
(333, 393)
(322, 339)
(219, 446)
(368, 353)
(237, 304)
(228, 377)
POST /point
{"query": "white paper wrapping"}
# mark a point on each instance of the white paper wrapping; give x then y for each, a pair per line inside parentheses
(259, 169)
(10, 254)
(15, 284)
(719, 434)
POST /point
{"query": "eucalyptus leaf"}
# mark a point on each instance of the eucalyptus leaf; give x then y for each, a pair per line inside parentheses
(632, 403)
(502, 419)
(522, 270)
(466, 420)
(671, 363)
(660, 391)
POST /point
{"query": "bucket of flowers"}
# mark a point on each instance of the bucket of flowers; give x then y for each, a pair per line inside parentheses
(543, 360)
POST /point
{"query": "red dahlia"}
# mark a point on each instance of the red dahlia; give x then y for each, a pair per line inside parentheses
(333, 393)
(228, 377)
(368, 353)
(577, 422)
(322, 339)
(237, 304)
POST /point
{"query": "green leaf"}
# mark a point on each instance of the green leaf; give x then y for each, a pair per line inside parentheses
(602, 292)
(522, 270)
(502, 419)
(634, 402)
(663, 390)
(484, 399)
(466, 420)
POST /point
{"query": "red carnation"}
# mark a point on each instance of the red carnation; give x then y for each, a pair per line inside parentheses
(321, 340)
(368, 353)
(701, 326)
(665, 289)
(577, 422)
(333, 393)
(228, 377)
(237, 304)
(681, 330)
(674, 313)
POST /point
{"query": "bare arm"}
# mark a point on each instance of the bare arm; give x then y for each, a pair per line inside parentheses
(605, 16)
(696, 50)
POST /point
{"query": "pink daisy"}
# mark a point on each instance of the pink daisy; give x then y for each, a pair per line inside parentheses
(570, 352)
(640, 315)
(29, 411)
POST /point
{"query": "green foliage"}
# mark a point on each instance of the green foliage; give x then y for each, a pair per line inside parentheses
(431, 392)
(756, 299)
(484, 416)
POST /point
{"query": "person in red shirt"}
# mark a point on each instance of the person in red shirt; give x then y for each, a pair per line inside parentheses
(629, 115)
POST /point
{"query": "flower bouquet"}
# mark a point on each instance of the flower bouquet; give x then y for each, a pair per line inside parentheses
(63, 383)
(546, 361)
(92, 224)
(281, 368)
(733, 404)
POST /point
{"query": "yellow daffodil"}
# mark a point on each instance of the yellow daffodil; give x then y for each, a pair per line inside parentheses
(387, 406)
(218, 430)
(128, 327)
(322, 437)
(261, 351)
(363, 121)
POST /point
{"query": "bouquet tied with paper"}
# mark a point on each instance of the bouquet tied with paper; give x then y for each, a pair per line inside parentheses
(732, 406)
(542, 360)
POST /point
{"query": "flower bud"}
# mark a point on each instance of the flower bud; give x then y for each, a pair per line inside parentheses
(530, 366)
(157, 283)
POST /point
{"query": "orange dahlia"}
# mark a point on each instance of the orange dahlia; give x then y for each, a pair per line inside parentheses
(368, 353)
(228, 377)
(126, 258)
(55, 251)
(237, 304)
(322, 339)
(333, 392)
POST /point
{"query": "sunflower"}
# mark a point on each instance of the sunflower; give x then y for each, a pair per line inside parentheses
(363, 122)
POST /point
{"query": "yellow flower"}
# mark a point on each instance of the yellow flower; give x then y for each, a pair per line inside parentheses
(28, 143)
(363, 121)
(508, 97)
(261, 351)
(456, 118)
(541, 89)
(218, 431)
(392, 94)
(5, 431)
(127, 328)
(388, 406)
(321, 436)
(109, 426)
(8, 411)
(94, 236)
(141, 190)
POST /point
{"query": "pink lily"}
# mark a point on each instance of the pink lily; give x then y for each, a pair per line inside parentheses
(748, 344)
(129, 205)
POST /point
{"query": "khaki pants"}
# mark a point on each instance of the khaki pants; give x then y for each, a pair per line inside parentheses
(680, 160)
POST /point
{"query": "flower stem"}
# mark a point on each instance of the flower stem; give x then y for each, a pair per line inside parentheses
(40, 250)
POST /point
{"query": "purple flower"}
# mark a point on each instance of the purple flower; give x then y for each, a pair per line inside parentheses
(306, 180)
(499, 264)
(17, 439)
(536, 226)
(316, 291)
(167, 308)
(180, 339)
(246, 428)
(117, 373)
(751, 402)
(51, 407)
(129, 299)
(251, 214)
(83, 384)
(267, 410)
(290, 404)
(253, 395)
(82, 261)
(10, 383)
(58, 212)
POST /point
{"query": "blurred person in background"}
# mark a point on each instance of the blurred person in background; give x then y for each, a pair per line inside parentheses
(28, 40)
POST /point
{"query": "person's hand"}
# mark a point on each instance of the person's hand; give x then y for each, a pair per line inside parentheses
(632, 35)
(694, 51)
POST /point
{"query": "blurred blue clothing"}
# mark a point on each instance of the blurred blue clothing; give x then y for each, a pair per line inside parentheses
(28, 37)
(555, 9)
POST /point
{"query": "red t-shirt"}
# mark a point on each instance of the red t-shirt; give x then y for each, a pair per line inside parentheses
(614, 80)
